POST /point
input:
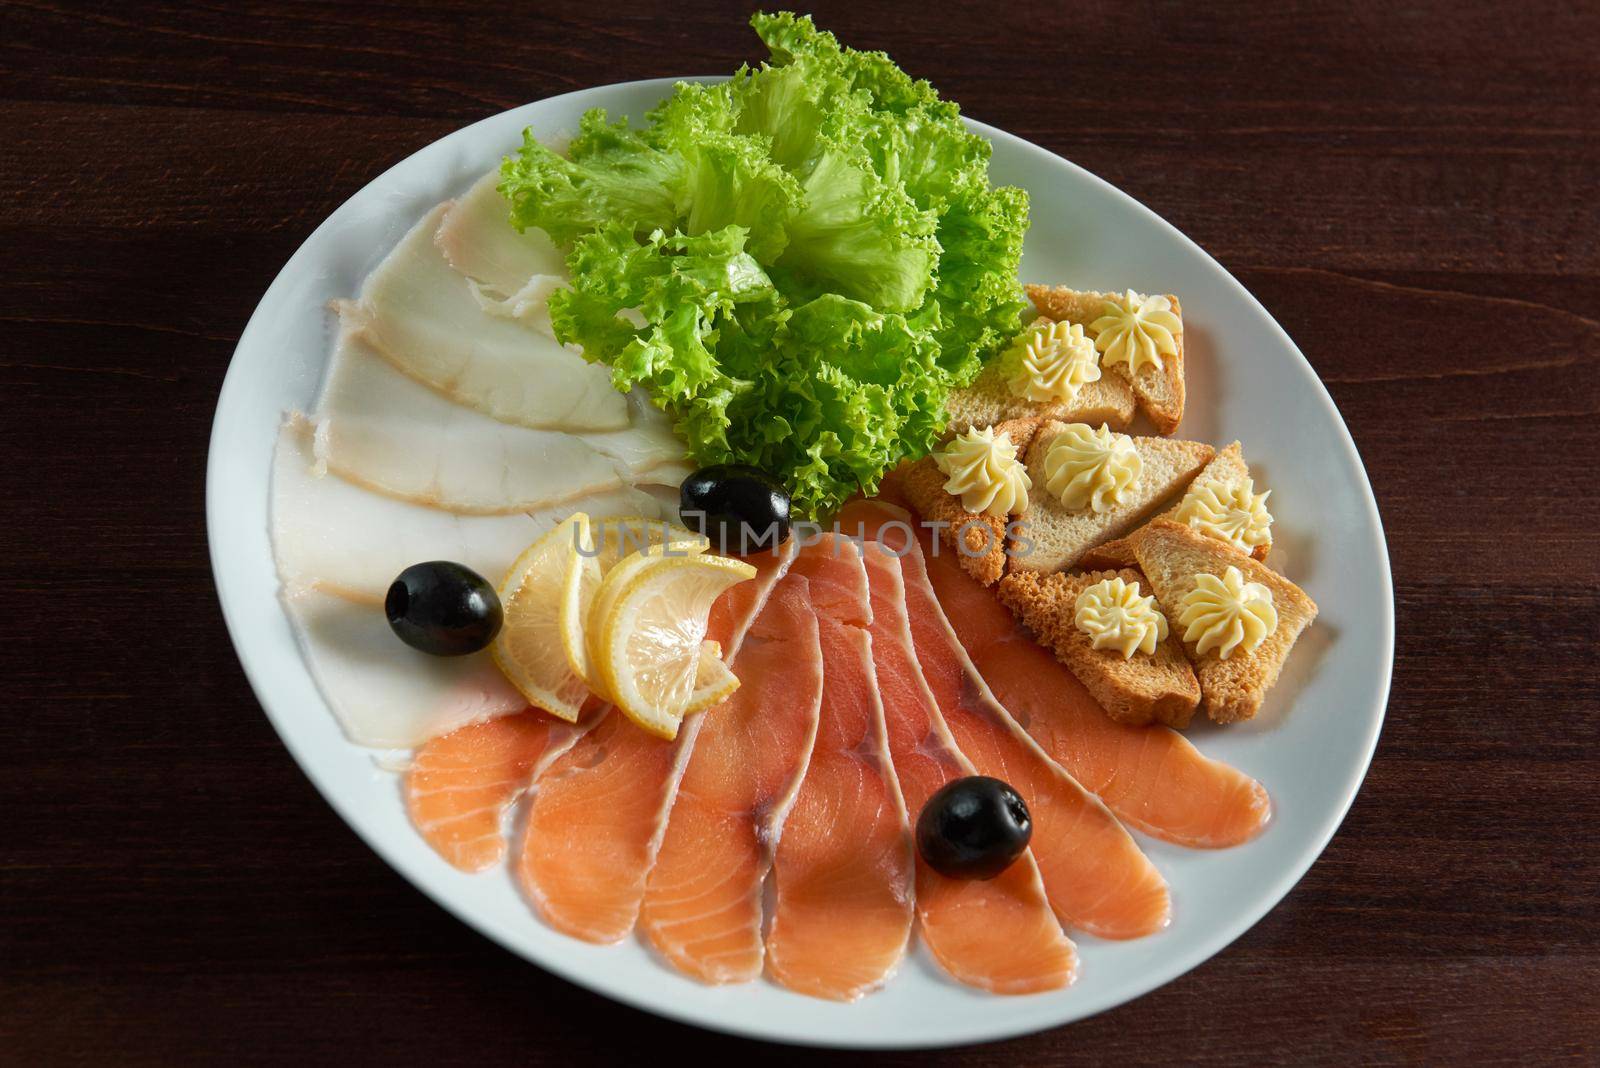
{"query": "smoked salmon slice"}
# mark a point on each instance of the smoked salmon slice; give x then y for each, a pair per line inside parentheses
(460, 784)
(843, 873)
(1150, 776)
(1095, 875)
(594, 823)
(702, 906)
(997, 934)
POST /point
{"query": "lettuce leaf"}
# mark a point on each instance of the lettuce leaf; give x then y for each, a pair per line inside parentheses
(798, 264)
(610, 175)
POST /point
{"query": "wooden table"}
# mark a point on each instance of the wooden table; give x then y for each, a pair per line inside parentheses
(1412, 192)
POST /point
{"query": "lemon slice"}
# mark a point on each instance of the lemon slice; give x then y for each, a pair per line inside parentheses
(604, 597)
(648, 632)
(529, 648)
(603, 544)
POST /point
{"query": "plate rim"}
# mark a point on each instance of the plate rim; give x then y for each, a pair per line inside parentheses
(729, 1022)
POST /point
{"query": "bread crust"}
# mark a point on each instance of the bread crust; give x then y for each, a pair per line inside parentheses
(1156, 688)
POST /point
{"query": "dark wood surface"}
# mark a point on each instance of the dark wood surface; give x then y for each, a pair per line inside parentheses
(1410, 189)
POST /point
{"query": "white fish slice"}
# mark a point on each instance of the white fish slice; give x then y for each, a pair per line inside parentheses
(513, 274)
(650, 452)
(387, 432)
(330, 533)
(386, 694)
(423, 318)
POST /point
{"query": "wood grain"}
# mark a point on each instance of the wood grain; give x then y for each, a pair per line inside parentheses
(1410, 190)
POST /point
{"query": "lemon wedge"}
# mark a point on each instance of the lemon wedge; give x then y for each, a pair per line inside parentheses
(529, 648)
(648, 636)
(604, 543)
(714, 683)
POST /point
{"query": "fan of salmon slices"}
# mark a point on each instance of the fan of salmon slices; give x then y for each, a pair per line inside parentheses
(772, 835)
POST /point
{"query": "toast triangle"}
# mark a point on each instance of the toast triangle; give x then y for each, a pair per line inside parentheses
(1171, 554)
(1158, 390)
(1157, 688)
(979, 541)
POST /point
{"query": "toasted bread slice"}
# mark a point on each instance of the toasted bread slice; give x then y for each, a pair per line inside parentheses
(1059, 538)
(1171, 554)
(1156, 688)
(1227, 466)
(979, 541)
(989, 400)
(1159, 390)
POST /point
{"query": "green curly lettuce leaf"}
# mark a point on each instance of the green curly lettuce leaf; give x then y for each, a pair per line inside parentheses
(798, 264)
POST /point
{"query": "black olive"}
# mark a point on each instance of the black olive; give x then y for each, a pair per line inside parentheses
(973, 828)
(443, 608)
(742, 509)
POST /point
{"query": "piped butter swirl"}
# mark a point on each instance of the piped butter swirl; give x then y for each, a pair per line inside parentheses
(1137, 331)
(1229, 511)
(1226, 614)
(1089, 468)
(1114, 616)
(1052, 362)
(983, 470)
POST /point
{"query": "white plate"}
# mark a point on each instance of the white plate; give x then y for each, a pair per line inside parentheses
(1247, 380)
